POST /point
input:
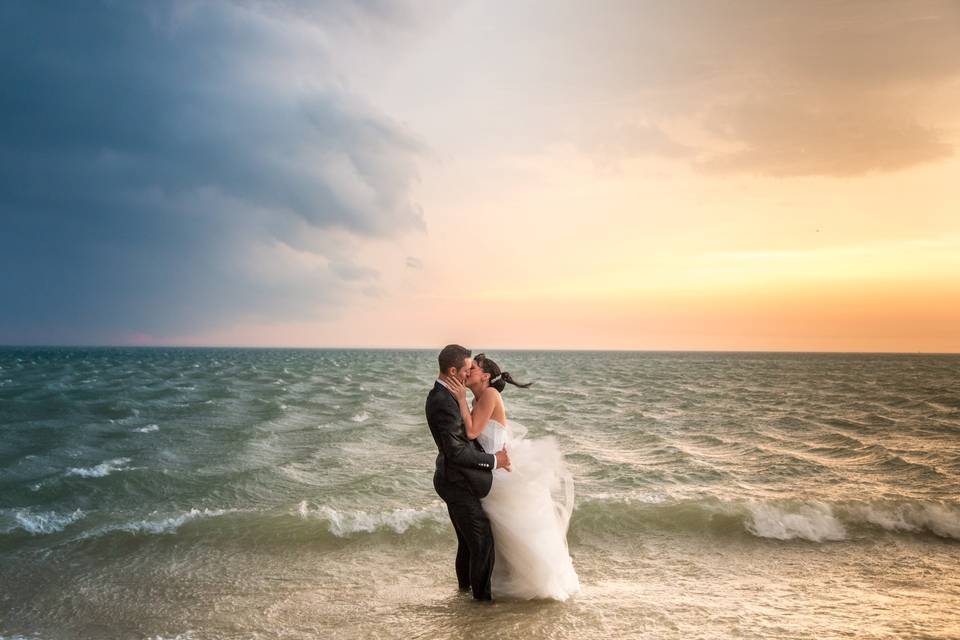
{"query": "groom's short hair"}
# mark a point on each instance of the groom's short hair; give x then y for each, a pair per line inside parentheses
(452, 355)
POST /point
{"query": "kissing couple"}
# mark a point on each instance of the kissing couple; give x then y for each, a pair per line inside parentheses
(509, 497)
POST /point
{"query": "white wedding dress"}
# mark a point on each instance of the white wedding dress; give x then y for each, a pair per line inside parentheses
(529, 509)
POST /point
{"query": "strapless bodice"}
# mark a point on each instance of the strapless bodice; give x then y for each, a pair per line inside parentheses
(493, 437)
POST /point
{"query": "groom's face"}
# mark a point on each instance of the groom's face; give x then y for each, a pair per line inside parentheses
(464, 370)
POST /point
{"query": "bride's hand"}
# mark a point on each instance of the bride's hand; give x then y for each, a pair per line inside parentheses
(459, 389)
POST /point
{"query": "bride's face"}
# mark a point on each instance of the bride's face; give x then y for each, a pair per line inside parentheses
(475, 375)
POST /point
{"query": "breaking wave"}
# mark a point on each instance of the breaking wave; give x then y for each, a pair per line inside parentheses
(612, 518)
(157, 525)
(100, 470)
(814, 521)
(43, 522)
(345, 523)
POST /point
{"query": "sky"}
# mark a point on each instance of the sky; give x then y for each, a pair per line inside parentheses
(632, 174)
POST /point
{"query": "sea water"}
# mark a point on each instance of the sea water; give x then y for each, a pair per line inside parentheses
(262, 493)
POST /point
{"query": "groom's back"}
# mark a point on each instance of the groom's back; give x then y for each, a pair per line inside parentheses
(432, 409)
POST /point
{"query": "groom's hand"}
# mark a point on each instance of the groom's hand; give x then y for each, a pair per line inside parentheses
(503, 460)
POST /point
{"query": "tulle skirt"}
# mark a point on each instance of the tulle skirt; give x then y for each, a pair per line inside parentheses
(529, 509)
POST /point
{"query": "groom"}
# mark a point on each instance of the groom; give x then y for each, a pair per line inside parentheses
(463, 475)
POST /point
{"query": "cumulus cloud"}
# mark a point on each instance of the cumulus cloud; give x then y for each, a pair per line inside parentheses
(166, 169)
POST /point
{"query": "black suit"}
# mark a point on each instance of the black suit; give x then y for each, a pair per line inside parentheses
(463, 475)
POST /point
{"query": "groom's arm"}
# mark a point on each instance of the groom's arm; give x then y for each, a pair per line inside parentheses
(458, 450)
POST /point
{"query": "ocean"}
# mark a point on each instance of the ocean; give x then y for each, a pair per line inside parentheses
(287, 493)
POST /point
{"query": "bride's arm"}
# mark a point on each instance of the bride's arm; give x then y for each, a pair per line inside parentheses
(482, 408)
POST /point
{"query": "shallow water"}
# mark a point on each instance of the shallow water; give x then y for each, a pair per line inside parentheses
(237, 493)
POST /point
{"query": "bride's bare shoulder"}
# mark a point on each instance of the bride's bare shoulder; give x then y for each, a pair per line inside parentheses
(493, 396)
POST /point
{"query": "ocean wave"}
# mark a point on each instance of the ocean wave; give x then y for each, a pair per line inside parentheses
(100, 470)
(346, 523)
(43, 522)
(811, 520)
(363, 416)
(606, 517)
(156, 525)
(815, 522)
(150, 428)
(938, 518)
(306, 522)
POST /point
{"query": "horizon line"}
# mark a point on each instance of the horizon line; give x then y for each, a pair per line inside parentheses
(432, 348)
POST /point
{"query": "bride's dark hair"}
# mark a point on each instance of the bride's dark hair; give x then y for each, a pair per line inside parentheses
(491, 367)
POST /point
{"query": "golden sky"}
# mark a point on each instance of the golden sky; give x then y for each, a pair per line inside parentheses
(626, 175)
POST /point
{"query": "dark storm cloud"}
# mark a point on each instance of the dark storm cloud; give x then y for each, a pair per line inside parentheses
(149, 157)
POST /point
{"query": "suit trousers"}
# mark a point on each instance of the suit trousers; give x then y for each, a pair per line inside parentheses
(475, 554)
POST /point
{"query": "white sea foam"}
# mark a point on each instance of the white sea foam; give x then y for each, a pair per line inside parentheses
(344, 523)
(363, 416)
(186, 635)
(101, 470)
(148, 429)
(42, 522)
(814, 521)
(649, 498)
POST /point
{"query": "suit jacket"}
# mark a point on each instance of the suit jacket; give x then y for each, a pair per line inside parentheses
(459, 460)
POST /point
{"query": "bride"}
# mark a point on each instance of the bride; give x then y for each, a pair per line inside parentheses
(530, 502)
